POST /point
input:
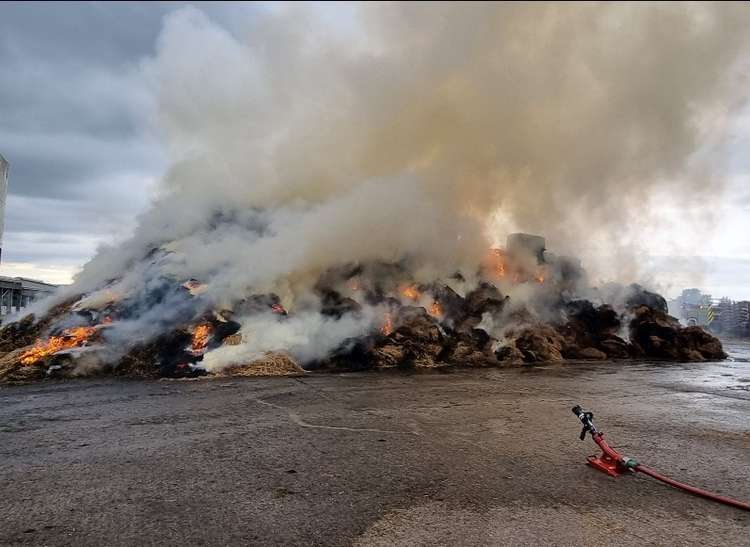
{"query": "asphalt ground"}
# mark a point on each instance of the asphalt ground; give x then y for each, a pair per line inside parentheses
(472, 457)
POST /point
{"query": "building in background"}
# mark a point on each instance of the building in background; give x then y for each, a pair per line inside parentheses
(693, 307)
(16, 293)
(720, 315)
(732, 318)
(723, 316)
(742, 312)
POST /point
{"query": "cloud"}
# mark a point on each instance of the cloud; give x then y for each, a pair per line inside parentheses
(76, 111)
(74, 106)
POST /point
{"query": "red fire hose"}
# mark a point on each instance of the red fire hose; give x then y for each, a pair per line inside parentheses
(613, 463)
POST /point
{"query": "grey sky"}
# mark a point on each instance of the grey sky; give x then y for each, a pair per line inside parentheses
(75, 124)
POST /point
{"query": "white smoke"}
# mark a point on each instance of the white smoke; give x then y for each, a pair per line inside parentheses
(307, 336)
(299, 146)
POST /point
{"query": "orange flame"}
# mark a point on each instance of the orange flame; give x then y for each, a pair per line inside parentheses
(200, 338)
(387, 327)
(496, 262)
(435, 310)
(541, 273)
(70, 338)
(410, 292)
(278, 308)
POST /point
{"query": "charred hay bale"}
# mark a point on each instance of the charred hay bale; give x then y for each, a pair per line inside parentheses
(334, 305)
(364, 354)
(389, 356)
(467, 355)
(591, 354)
(453, 304)
(479, 338)
(590, 327)
(637, 296)
(19, 334)
(271, 364)
(616, 348)
(162, 356)
(419, 335)
(486, 298)
(696, 340)
(28, 329)
(13, 370)
(221, 330)
(416, 353)
(416, 341)
(414, 323)
(655, 333)
(540, 343)
(586, 327)
(509, 354)
(470, 349)
(139, 362)
(354, 354)
(574, 340)
(593, 322)
(659, 335)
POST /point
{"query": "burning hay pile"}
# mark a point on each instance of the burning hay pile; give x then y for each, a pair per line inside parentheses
(332, 197)
(376, 316)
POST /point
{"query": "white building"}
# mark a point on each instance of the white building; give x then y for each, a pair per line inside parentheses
(18, 292)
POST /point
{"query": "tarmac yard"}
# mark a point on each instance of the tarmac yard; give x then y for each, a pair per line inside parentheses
(474, 457)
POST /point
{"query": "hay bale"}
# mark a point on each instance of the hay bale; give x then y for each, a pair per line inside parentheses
(232, 340)
(540, 343)
(27, 330)
(271, 364)
(592, 354)
(509, 354)
(389, 356)
(661, 336)
(12, 370)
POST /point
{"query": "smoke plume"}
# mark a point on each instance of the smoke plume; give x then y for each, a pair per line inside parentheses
(409, 132)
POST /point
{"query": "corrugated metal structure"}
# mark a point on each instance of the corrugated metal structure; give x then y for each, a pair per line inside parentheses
(4, 171)
(18, 292)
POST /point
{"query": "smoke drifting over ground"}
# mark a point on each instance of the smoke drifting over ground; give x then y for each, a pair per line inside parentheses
(402, 134)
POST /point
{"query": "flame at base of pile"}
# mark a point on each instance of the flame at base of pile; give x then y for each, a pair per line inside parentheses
(523, 305)
(70, 338)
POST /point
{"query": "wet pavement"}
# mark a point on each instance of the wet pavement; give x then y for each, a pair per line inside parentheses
(475, 457)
